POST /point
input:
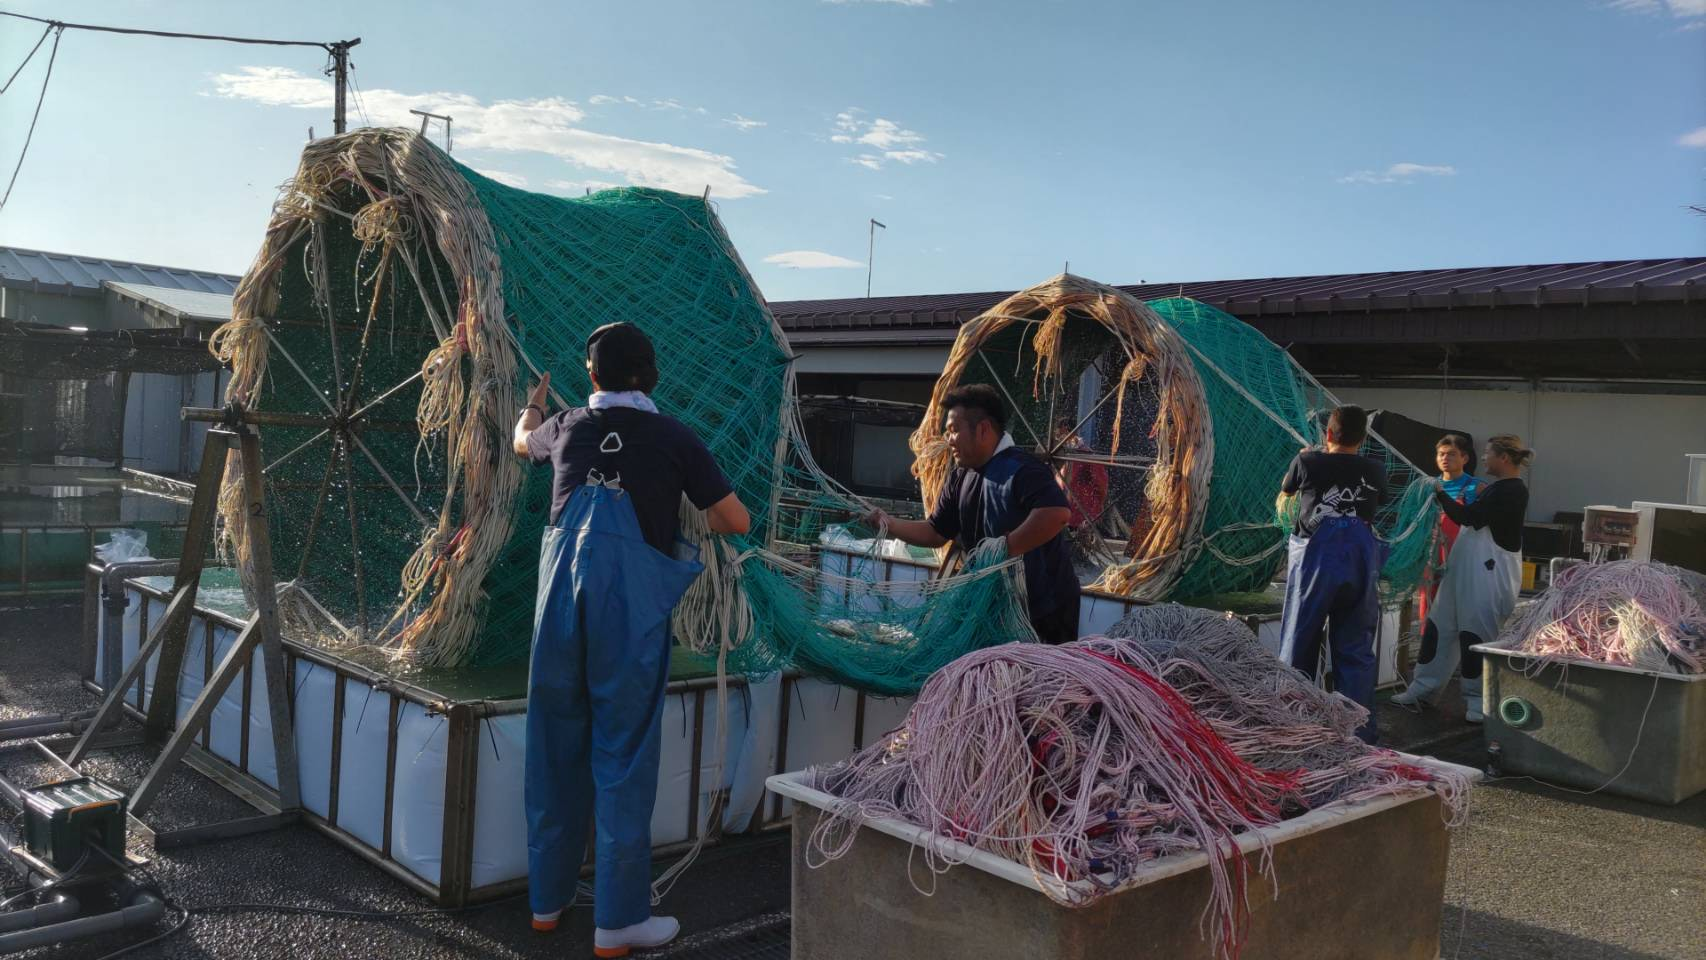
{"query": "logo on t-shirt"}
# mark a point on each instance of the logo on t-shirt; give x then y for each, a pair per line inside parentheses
(1340, 501)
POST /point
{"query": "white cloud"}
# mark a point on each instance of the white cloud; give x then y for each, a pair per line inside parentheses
(888, 140)
(882, 196)
(1400, 173)
(578, 187)
(743, 124)
(1682, 9)
(811, 260)
(504, 177)
(600, 99)
(898, 3)
(547, 125)
(1693, 138)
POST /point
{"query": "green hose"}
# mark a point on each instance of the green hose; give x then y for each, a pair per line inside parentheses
(1516, 711)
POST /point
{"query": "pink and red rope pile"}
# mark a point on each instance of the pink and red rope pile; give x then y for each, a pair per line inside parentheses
(1087, 761)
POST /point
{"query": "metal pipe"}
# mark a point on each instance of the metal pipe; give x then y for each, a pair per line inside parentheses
(145, 908)
(62, 907)
(7, 726)
(44, 727)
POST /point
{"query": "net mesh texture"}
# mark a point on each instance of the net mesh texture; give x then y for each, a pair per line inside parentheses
(337, 320)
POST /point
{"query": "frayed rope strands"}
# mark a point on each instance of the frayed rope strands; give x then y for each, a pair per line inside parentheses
(1176, 483)
(1628, 613)
(393, 181)
(410, 302)
(1159, 392)
(1086, 761)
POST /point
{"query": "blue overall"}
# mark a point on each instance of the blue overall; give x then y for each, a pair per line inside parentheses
(1332, 582)
(594, 703)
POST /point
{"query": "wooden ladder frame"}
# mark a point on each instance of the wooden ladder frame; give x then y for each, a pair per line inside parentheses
(169, 638)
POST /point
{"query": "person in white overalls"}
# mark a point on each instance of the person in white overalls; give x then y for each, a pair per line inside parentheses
(1482, 576)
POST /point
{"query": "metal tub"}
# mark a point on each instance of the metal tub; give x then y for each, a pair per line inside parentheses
(1378, 867)
(1636, 733)
(427, 783)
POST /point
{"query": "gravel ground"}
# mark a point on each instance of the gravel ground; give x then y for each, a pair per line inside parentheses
(1537, 872)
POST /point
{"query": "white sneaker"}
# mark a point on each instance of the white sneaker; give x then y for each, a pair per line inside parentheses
(653, 932)
(1414, 695)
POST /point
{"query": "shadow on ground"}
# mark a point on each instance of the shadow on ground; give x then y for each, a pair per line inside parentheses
(1536, 872)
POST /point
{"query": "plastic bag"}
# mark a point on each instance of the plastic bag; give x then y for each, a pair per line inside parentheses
(835, 535)
(124, 545)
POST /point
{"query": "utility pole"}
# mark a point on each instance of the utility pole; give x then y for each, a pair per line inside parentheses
(340, 80)
(870, 254)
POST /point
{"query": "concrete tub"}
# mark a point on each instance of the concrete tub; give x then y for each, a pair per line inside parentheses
(1359, 881)
(1636, 733)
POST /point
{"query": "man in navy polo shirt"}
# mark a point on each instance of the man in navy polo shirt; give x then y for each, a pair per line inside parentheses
(1001, 500)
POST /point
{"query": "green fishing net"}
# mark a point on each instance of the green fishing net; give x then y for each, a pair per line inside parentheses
(347, 515)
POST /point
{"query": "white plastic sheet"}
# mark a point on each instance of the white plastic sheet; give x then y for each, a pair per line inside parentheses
(226, 726)
(675, 765)
(754, 757)
(313, 720)
(361, 764)
(500, 819)
(417, 804)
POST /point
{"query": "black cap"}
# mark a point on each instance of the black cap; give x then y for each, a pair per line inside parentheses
(622, 357)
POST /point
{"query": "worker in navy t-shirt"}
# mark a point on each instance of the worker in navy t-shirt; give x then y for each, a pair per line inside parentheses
(1334, 560)
(1001, 501)
(611, 570)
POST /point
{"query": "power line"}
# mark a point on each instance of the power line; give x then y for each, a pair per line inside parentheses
(27, 58)
(52, 54)
(167, 33)
(360, 103)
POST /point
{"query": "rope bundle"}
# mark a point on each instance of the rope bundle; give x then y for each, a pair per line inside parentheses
(1176, 484)
(1629, 613)
(1088, 760)
(393, 179)
(1192, 383)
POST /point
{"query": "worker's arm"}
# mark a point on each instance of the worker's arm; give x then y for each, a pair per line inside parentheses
(1039, 527)
(1290, 483)
(919, 533)
(531, 417)
(728, 516)
(1493, 502)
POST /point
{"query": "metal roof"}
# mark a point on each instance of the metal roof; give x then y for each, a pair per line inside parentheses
(1607, 281)
(178, 303)
(68, 273)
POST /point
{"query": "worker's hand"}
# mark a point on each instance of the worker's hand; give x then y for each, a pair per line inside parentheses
(990, 552)
(877, 519)
(540, 396)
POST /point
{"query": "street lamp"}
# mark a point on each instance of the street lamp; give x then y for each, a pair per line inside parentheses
(870, 251)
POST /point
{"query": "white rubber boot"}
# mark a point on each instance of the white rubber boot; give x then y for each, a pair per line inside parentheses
(546, 922)
(653, 932)
(1421, 690)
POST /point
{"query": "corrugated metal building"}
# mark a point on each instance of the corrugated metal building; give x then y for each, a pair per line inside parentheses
(98, 296)
(1600, 366)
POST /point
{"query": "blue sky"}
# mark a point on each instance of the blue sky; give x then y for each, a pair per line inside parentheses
(1153, 141)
